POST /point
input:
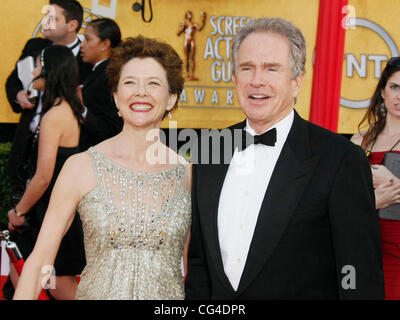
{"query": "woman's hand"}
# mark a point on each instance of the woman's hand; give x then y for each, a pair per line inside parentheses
(381, 175)
(387, 193)
(14, 221)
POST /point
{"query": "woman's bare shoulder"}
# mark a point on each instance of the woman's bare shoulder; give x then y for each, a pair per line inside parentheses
(358, 137)
(58, 116)
(78, 174)
(79, 165)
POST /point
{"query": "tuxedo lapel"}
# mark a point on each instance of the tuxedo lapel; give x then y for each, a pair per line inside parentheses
(94, 74)
(211, 181)
(290, 176)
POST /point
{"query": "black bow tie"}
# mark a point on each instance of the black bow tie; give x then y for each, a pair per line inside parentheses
(267, 138)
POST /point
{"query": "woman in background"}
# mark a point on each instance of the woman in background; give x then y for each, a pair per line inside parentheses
(382, 136)
(101, 118)
(56, 74)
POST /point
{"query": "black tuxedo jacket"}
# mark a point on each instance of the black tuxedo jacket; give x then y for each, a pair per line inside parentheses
(102, 120)
(318, 216)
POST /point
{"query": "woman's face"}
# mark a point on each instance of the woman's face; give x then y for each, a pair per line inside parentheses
(391, 95)
(38, 84)
(92, 47)
(143, 94)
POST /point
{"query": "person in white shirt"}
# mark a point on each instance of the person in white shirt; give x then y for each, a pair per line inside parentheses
(285, 215)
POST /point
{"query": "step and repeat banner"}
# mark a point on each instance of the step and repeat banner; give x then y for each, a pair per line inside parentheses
(202, 32)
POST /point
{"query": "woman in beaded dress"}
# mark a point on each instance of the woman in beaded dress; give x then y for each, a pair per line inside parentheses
(383, 136)
(131, 191)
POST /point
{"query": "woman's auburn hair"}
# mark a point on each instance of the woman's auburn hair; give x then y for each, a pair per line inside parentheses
(142, 47)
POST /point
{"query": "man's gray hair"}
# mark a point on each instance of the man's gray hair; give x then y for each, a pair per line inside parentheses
(280, 26)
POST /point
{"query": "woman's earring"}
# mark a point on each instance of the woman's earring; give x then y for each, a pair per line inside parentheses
(169, 114)
(119, 115)
(382, 109)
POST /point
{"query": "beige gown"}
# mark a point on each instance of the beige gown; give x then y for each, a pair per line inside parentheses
(135, 227)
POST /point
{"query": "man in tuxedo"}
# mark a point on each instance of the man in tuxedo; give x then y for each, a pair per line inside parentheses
(291, 216)
(60, 26)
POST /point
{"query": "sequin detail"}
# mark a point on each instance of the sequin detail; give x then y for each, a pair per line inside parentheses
(135, 227)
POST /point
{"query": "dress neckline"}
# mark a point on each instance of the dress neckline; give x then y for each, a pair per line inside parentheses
(396, 151)
(113, 163)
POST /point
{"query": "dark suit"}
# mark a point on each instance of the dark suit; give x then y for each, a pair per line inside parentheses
(102, 121)
(317, 216)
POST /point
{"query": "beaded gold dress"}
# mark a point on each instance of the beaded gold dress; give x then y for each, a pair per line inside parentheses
(135, 226)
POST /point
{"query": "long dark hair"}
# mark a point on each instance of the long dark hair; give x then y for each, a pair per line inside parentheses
(373, 117)
(60, 71)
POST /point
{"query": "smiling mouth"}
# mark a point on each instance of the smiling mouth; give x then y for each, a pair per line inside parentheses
(140, 107)
(258, 97)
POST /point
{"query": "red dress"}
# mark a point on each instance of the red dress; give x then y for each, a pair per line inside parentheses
(390, 230)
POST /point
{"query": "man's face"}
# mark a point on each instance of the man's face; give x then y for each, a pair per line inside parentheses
(264, 87)
(55, 26)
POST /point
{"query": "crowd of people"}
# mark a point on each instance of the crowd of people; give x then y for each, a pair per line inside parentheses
(89, 201)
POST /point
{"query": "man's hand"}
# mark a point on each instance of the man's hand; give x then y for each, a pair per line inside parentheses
(23, 100)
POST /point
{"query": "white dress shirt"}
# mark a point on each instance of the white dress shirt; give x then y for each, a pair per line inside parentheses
(74, 46)
(36, 118)
(97, 64)
(241, 197)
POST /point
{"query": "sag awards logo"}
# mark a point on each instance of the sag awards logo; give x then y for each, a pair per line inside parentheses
(217, 50)
(359, 66)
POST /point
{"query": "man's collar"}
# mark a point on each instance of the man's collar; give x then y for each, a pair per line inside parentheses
(284, 123)
(74, 43)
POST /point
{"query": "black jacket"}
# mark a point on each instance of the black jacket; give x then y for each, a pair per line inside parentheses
(317, 217)
(102, 120)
